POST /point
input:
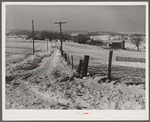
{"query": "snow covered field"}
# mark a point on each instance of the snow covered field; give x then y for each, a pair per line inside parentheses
(99, 55)
(45, 81)
(18, 49)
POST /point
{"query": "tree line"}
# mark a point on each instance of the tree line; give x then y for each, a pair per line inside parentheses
(42, 35)
(136, 39)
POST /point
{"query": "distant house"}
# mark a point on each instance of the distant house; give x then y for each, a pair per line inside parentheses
(24, 36)
(12, 36)
(9, 36)
(80, 39)
(101, 37)
(15, 37)
(116, 44)
(39, 37)
(74, 34)
(115, 37)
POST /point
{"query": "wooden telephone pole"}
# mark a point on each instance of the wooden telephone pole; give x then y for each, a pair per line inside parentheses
(60, 23)
(47, 44)
(109, 64)
(33, 34)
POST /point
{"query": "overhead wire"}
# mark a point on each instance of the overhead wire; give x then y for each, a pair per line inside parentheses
(69, 22)
(87, 12)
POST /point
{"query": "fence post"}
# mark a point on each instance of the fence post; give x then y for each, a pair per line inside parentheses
(62, 53)
(65, 56)
(123, 44)
(51, 43)
(68, 58)
(85, 65)
(109, 64)
(80, 66)
(72, 61)
(47, 44)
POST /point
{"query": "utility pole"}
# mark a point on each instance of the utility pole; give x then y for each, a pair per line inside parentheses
(109, 64)
(47, 44)
(33, 34)
(60, 33)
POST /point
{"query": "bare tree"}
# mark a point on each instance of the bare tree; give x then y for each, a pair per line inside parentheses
(136, 39)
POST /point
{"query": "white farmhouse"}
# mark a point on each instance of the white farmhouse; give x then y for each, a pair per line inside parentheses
(101, 37)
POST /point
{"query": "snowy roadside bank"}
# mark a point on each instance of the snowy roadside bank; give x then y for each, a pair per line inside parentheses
(27, 64)
(54, 85)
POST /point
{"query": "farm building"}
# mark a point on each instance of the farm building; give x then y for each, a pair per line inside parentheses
(106, 37)
(101, 37)
(80, 39)
(116, 44)
(24, 36)
(74, 34)
(15, 37)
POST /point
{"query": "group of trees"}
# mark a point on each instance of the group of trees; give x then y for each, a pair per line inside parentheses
(41, 35)
(18, 32)
(85, 39)
(95, 42)
(136, 39)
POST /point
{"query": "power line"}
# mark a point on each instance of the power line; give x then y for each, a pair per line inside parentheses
(79, 14)
(87, 12)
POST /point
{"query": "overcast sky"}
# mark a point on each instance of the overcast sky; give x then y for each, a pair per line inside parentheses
(90, 18)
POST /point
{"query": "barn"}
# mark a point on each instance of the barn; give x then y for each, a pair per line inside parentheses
(117, 44)
(80, 39)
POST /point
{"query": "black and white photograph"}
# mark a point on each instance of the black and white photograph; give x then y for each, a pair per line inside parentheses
(75, 60)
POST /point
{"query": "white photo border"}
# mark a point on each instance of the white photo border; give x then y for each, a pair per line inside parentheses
(30, 114)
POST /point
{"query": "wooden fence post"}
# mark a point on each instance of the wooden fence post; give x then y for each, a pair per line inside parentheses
(68, 61)
(123, 44)
(85, 65)
(65, 56)
(47, 44)
(62, 53)
(72, 61)
(80, 66)
(109, 64)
